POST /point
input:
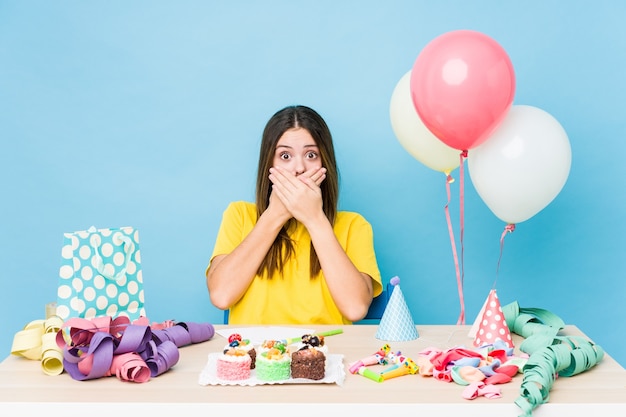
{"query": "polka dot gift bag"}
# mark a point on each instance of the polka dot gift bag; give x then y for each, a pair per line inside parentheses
(100, 274)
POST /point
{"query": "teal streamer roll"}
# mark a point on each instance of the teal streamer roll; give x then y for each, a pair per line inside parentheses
(550, 355)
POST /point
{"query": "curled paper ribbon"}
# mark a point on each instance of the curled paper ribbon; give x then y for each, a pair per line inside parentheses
(160, 358)
(51, 355)
(550, 355)
(129, 367)
(457, 263)
(130, 351)
(37, 341)
(569, 356)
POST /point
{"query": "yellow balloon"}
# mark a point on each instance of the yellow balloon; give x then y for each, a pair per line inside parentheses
(414, 136)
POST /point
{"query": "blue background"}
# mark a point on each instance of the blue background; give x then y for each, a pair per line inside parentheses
(149, 114)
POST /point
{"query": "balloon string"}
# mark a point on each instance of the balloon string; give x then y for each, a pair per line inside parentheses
(462, 158)
(461, 319)
(509, 228)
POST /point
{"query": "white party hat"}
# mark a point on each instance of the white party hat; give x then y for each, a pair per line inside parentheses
(397, 324)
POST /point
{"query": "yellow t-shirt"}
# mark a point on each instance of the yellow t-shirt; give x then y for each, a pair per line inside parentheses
(295, 298)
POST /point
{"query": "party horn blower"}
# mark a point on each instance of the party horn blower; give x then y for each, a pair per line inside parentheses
(408, 367)
(396, 358)
(392, 368)
(369, 374)
(378, 358)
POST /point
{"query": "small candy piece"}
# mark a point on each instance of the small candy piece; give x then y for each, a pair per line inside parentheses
(234, 337)
(313, 340)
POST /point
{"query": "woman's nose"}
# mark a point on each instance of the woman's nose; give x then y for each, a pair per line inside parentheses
(300, 167)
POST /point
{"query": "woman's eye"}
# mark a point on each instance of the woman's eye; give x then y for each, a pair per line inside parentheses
(311, 155)
(285, 156)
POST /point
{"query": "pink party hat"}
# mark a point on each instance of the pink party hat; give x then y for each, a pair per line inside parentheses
(492, 325)
(397, 324)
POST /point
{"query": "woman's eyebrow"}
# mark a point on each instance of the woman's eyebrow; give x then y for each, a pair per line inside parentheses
(312, 145)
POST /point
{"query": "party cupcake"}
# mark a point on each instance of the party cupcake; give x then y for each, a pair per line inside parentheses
(273, 362)
(233, 364)
(236, 341)
(309, 360)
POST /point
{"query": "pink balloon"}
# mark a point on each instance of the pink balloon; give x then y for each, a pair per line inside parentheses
(414, 137)
(462, 86)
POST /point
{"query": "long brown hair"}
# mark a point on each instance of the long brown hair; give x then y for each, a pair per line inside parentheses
(288, 118)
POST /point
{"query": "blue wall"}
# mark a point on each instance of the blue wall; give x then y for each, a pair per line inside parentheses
(149, 114)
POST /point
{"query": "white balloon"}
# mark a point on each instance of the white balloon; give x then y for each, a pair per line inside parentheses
(523, 165)
(414, 136)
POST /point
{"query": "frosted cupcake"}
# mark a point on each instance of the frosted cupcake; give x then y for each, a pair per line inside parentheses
(273, 361)
(309, 360)
(233, 364)
(236, 341)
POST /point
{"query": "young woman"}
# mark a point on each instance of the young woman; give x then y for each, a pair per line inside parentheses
(293, 258)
